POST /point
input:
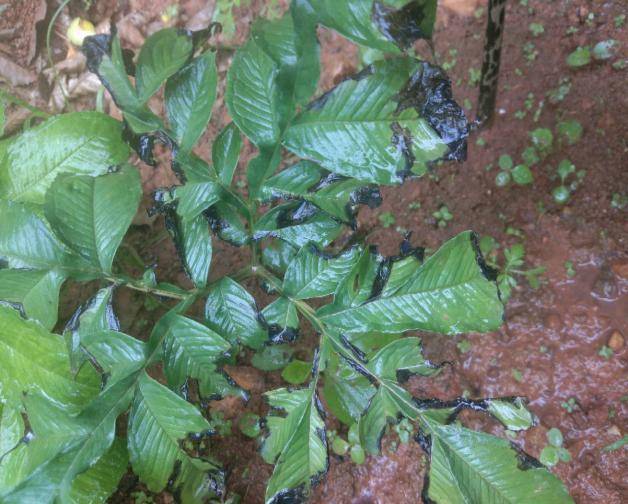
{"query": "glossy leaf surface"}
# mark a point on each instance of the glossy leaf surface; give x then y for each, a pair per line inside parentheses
(79, 143)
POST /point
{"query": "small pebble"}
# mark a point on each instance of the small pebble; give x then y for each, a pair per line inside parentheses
(616, 341)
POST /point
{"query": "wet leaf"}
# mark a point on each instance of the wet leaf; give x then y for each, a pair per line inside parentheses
(162, 55)
(155, 435)
(375, 127)
(513, 414)
(77, 143)
(452, 292)
(473, 466)
(91, 214)
(251, 94)
(37, 291)
(225, 153)
(190, 95)
(32, 359)
(296, 444)
(231, 311)
(297, 372)
(298, 225)
(314, 274)
(281, 315)
(194, 245)
(376, 24)
(272, 358)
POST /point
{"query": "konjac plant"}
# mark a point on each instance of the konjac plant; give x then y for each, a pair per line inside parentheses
(80, 406)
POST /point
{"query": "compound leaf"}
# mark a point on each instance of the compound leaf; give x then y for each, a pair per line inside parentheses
(231, 311)
(190, 95)
(314, 274)
(452, 292)
(162, 55)
(91, 214)
(80, 142)
(296, 444)
(251, 94)
(470, 466)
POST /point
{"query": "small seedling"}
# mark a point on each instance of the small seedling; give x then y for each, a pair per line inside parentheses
(474, 76)
(554, 452)
(619, 201)
(620, 443)
(542, 138)
(220, 424)
(562, 193)
(404, 430)
(517, 375)
(570, 405)
(604, 50)
(569, 269)
(464, 346)
(559, 93)
(606, 352)
(514, 258)
(536, 29)
(619, 20)
(579, 57)
(569, 131)
(443, 216)
(386, 219)
(530, 156)
(530, 52)
(480, 142)
(520, 174)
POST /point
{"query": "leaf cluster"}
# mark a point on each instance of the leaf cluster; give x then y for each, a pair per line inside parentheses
(78, 405)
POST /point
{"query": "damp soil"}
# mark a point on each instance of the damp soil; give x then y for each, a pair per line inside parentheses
(548, 349)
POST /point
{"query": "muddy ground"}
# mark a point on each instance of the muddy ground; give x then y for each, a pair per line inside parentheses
(563, 344)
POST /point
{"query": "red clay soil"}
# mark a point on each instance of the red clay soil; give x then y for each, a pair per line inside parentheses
(548, 349)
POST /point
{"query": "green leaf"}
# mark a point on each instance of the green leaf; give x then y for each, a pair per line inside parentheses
(81, 142)
(513, 414)
(277, 254)
(226, 152)
(34, 360)
(200, 190)
(297, 372)
(226, 223)
(376, 24)
(194, 245)
(283, 320)
(296, 444)
(251, 94)
(191, 349)
(272, 358)
(338, 196)
(397, 360)
(26, 240)
(36, 291)
(106, 59)
(156, 435)
(11, 427)
(162, 55)
(295, 53)
(190, 95)
(298, 224)
(449, 293)
(314, 274)
(522, 175)
(95, 485)
(365, 128)
(469, 466)
(91, 214)
(346, 391)
(231, 311)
